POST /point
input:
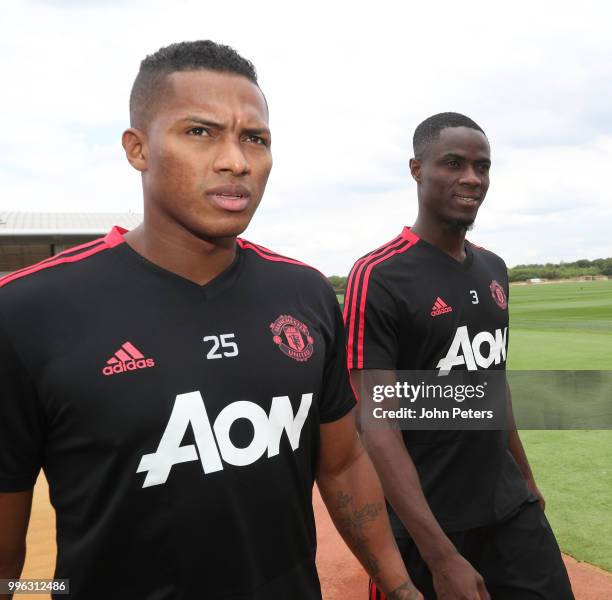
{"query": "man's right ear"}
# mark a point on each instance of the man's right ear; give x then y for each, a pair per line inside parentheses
(135, 146)
(415, 169)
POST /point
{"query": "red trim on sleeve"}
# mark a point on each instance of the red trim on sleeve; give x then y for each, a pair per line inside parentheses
(359, 280)
(352, 279)
(58, 255)
(350, 302)
(113, 238)
(408, 235)
(268, 254)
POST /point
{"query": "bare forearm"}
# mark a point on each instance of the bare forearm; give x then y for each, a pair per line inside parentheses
(397, 472)
(356, 504)
(515, 446)
(453, 576)
(388, 453)
(518, 452)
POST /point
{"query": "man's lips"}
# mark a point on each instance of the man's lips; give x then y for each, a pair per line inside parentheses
(231, 197)
(467, 200)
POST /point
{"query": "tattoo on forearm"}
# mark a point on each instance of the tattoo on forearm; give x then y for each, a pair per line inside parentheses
(350, 524)
(406, 591)
(343, 500)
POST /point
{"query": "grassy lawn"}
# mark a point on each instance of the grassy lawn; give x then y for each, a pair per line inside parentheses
(574, 473)
(569, 326)
(561, 326)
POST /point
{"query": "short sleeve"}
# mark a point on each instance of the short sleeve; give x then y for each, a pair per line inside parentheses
(371, 322)
(337, 393)
(21, 423)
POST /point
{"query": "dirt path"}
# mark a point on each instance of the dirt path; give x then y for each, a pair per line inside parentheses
(342, 578)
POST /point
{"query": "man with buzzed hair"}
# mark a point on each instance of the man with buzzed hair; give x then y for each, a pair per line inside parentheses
(181, 387)
(464, 506)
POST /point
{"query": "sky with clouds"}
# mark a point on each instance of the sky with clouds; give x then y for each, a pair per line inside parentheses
(347, 83)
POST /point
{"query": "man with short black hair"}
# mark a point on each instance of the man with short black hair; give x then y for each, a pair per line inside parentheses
(464, 507)
(183, 388)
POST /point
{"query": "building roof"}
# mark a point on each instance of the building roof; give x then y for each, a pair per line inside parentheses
(42, 224)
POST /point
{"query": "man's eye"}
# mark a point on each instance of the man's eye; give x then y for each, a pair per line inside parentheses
(453, 163)
(255, 139)
(198, 131)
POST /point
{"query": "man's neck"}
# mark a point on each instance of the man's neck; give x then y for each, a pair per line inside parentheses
(448, 238)
(179, 251)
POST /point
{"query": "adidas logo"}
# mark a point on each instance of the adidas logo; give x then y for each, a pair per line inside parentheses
(127, 358)
(440, 307)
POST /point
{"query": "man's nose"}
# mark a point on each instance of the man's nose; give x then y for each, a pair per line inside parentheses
(230, 157)
(470, 176)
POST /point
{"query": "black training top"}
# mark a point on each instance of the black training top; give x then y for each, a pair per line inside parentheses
(177, 424)
(410, 306)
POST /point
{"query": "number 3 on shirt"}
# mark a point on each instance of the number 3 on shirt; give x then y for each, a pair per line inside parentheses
(474, 296)
(223, 342)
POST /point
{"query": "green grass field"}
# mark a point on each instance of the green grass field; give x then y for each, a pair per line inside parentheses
(569, 326)
(561, 326)
(574, 473)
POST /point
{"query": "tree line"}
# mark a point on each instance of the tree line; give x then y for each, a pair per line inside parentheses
(578, 268)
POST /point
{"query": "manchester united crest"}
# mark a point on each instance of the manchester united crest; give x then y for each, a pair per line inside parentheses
(497, 291)
(292, 337)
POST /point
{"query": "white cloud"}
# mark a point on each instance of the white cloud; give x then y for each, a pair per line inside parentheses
(346, 83)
